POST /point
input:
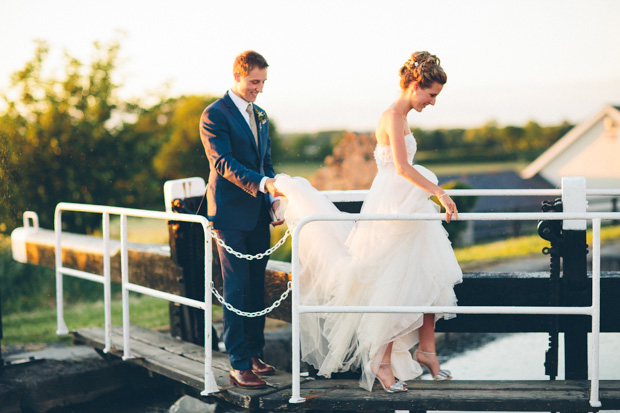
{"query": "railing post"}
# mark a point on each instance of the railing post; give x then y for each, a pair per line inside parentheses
(296, 385)
(575, 281)
(210, 384)
(61, 327)
(596, 313)
(125, 291)
(107, 287)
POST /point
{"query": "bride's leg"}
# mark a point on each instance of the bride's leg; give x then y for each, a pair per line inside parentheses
(382, 366)
(427, 344)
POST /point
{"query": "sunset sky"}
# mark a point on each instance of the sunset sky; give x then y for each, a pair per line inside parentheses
(334, 63)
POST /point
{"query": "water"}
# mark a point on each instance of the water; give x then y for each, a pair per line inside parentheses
(521, 356)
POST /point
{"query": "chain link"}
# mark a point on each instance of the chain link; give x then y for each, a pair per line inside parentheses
(257, 313)
(249, 257)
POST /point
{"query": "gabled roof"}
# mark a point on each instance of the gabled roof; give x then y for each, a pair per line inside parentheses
(567, 140)
(503, 180)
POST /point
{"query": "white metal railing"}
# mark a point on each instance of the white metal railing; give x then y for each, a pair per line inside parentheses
(334, 196)
(210, 385)
(359, 195)
(593, 310)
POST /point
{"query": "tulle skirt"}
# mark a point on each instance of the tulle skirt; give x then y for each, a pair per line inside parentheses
(377, 263)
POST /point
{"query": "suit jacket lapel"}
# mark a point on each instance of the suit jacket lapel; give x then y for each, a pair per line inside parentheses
(239, 117)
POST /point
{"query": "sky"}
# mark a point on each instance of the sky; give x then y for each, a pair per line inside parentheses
(334, 63)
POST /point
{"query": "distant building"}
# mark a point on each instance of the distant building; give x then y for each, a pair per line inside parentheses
(591, 149)
(479, 231)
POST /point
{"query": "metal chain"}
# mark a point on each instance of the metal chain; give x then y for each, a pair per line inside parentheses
(257, 313)
(249, 257)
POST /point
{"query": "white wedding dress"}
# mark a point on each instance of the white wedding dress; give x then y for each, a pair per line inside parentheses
(369, 263)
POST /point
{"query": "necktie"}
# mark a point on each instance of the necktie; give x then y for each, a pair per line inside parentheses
(252, 123)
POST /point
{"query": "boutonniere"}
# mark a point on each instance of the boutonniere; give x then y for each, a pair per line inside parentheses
(261, 115)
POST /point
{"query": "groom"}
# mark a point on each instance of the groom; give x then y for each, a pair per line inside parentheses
(240, 194)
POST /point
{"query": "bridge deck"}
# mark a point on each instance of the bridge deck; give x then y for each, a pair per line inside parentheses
(183, 362)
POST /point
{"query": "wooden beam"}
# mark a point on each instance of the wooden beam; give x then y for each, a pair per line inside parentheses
(150, 265)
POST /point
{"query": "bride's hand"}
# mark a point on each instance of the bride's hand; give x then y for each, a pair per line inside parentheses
(449, 205)
(271, 188)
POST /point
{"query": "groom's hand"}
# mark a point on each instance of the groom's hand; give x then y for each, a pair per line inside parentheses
(271, 188)
(276, 220)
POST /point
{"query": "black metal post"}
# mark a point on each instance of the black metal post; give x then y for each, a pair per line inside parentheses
(187, 249)
(575, 293)
(552, 232)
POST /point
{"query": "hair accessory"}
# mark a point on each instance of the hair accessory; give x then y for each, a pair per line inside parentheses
(412, 63)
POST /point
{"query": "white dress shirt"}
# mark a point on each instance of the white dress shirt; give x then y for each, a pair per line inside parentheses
(242, 105)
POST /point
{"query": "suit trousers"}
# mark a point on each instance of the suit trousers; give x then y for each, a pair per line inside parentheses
(244, 289)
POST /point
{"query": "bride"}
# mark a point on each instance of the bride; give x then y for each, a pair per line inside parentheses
(377, 263)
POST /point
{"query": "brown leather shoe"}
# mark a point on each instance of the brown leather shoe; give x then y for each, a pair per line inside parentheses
(246, 379)
(261, 368)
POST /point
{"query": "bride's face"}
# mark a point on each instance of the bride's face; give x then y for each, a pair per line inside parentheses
(422, 97)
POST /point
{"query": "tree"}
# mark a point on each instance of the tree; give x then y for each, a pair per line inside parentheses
(61, 141)
(181, 154)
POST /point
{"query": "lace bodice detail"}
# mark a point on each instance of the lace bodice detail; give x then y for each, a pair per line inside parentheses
(383, 153)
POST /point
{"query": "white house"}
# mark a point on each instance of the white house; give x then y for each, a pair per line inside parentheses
(591, 149)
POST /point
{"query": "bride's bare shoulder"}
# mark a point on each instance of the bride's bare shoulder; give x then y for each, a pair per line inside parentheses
(390, 115)
(388, 118)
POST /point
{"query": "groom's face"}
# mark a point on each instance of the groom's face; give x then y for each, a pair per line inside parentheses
(248, 87)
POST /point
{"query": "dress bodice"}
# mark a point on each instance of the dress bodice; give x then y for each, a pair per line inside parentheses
(384, 157)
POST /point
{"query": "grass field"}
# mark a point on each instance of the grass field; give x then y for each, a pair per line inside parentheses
(39, 326)
(305, 169)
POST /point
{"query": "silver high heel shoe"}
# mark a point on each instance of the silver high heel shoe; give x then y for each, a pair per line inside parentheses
(441, 376)
(397, 387)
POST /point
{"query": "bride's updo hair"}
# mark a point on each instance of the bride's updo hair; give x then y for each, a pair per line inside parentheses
(424, 68)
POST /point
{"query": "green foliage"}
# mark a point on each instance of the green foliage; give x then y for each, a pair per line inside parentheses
(312, 147)
(62, 142)
(490, 140)
(176, 122)
(72, 139)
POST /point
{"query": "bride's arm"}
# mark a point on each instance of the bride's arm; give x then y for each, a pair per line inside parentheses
(394, 129)
(394, 126)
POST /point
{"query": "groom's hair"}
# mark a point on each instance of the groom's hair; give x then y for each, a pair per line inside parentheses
(247, 61)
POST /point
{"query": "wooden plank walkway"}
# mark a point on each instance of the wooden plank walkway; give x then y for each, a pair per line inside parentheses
(183, 362)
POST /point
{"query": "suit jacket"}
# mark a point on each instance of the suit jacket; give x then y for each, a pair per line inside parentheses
(237, 165)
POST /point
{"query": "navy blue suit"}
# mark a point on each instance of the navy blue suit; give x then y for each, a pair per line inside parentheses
(239, 213)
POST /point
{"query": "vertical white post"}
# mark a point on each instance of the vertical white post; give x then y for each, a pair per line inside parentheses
(596, 313)
(107, 288)
(574, 200)
(210, 384)
(61, 327)
(296, 385)
(125, 292)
